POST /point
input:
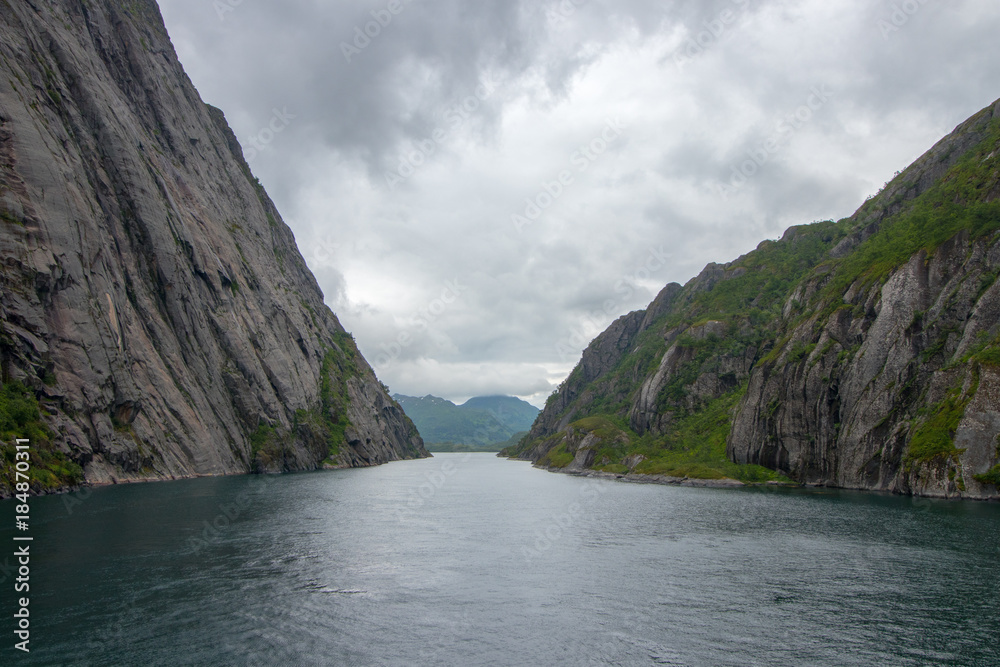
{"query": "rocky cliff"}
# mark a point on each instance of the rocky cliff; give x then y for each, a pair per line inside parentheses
(863, 353)
(156, 317)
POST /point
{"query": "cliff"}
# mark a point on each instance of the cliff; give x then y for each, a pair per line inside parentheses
(862, 354)
(156, 317)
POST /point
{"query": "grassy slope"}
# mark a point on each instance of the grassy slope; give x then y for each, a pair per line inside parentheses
(21, 417)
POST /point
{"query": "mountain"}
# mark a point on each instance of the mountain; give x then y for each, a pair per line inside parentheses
(512, 412)
(862, 354)
(481, 422)
(156, 317)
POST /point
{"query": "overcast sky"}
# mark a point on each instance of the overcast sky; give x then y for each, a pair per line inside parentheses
(482, 187)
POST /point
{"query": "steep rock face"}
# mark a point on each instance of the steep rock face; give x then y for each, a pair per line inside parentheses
(844, 414)
(151, 295)
(898, 391)
(647, 414)
(862, 354)
(602, 355)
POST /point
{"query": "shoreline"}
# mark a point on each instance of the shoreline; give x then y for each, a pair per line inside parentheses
(729, 483)
(112, 480)
(667, 480)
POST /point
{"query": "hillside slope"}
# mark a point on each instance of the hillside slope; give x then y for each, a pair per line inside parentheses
(862, 354)
(512, 412)
(479, 422)
(156, 317)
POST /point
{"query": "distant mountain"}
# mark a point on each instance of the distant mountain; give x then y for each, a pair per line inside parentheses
(513, 413)
(514, 441)
(496, 447)
(480, 422)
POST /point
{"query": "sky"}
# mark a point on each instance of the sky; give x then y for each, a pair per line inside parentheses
(481, 188)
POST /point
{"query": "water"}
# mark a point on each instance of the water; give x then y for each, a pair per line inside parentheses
(472, 560)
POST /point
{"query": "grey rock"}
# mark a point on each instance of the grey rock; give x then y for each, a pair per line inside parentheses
(146, 268)
(846, 422)
(835, 395)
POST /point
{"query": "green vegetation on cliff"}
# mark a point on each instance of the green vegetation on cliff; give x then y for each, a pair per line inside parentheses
(953, 205)
(935, 436)
(695, 447)
(724, 314)
(20, 417)
(665, 399)
(990, 477)
(324, 427)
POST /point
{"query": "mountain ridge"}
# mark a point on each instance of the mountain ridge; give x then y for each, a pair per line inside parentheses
(482, 421)
(861, 354)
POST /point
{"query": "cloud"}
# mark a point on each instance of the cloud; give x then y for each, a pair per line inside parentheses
(479, 108)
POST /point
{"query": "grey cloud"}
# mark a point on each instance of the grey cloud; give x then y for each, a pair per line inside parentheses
(382, 253)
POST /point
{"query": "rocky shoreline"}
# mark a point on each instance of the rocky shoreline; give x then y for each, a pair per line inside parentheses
(728, 483)
(636, 478)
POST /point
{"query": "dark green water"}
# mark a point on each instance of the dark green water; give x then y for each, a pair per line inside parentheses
(495, 563)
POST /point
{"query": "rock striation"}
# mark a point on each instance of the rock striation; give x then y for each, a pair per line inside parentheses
(862, 354)
(151, 298)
